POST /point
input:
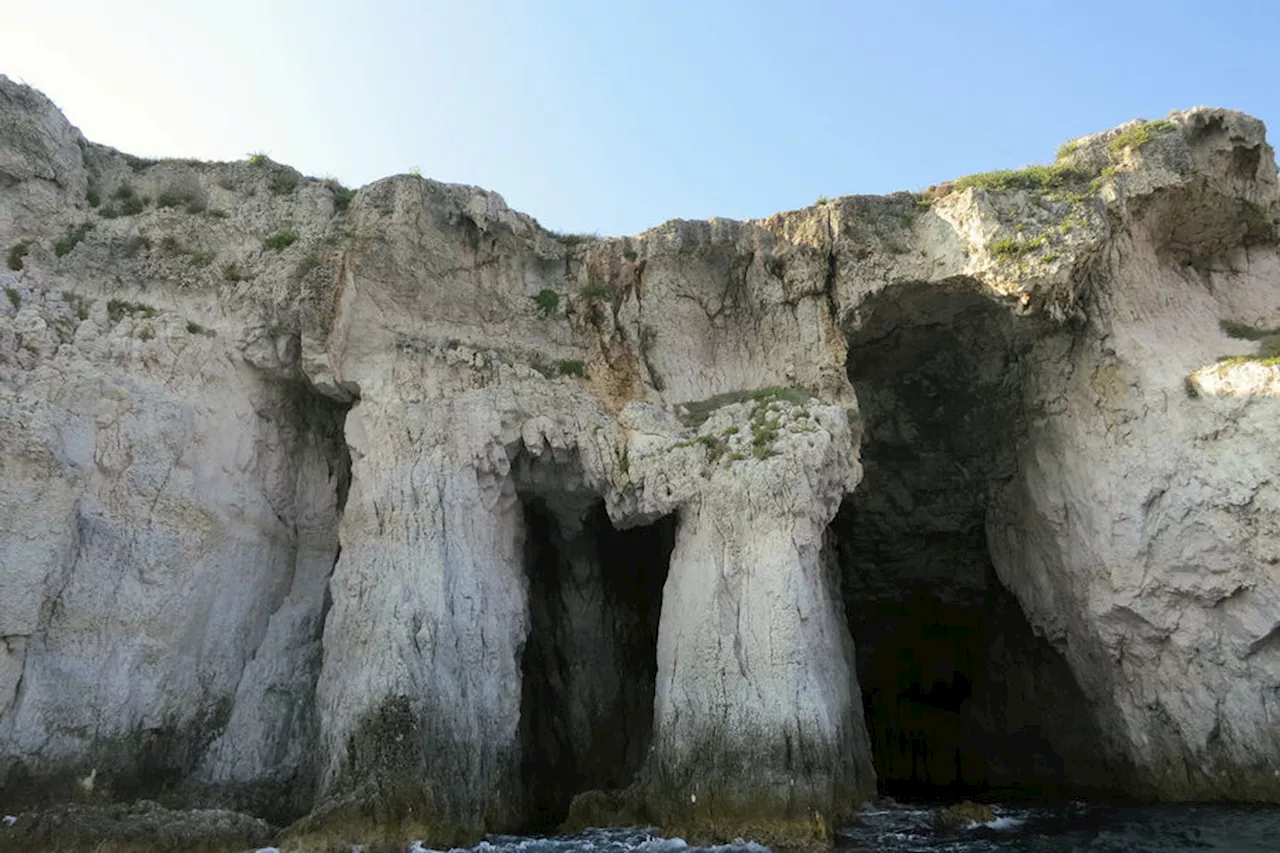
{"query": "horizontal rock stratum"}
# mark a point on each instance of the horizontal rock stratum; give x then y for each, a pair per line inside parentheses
(392, 515)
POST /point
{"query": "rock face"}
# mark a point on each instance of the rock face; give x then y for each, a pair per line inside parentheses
(399, 517)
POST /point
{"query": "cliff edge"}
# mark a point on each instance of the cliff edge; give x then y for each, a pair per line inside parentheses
(390, 514)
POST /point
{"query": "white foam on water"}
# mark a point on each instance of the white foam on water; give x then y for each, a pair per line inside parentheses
(738, 845)
(663, 845)
(635, 839)
(9, 820)
(1003, 823)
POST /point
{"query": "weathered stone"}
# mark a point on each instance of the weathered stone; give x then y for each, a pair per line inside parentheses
(317, 511)
(141, 827)
(962, 815)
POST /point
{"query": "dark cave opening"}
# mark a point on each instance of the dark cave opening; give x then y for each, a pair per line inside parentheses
(961, 696)
(964, 698)
(595, 595)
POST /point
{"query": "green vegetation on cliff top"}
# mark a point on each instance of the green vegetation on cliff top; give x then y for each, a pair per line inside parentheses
(1041, 178)
(1061, 175)
(1140, 134)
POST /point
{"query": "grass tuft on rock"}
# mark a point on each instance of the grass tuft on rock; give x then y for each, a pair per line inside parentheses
(178, 197)
(1268, 339)
(283, 181)
(17, 252)
(572, 367)
(280, 240)
(1036, 178)
(546, 302)
(1236, 360)
(71, 239)
(597, 290)
(139, 164)
(696, 412)
(569, 239)
(1016, 247)
(341, 195)
(118, 309)
(1139, 135)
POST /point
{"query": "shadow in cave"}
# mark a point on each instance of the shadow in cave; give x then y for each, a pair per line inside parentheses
(589, 664)
(960, 694)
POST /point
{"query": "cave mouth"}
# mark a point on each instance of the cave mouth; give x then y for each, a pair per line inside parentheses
(963, 699)
(960, 695)
(590, 661)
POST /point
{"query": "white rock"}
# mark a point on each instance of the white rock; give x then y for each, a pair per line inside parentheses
(190, 574)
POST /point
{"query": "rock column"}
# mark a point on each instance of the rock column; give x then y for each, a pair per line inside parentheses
(419, 695)
(758, 727)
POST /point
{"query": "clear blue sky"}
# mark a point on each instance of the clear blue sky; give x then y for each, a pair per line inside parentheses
(613, 117)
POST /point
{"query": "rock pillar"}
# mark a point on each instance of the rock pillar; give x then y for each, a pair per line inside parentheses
(758, 727)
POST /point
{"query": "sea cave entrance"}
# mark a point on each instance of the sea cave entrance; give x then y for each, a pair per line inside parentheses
(595, 596)
(960, 694)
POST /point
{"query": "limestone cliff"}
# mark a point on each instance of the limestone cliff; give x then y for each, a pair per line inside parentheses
(395, 515)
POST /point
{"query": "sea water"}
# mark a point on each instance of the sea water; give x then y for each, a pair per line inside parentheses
(1075, 827)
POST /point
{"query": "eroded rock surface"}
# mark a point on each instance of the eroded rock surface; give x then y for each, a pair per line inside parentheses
(399, 515)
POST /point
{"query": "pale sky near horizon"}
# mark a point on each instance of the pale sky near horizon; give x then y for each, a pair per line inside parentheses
(613, 117)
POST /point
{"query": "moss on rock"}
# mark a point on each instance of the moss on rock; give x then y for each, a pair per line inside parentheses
(711, 821)
(594, 808)
(141, 827)
(393, 789)
(378, 818)
(960, 815)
